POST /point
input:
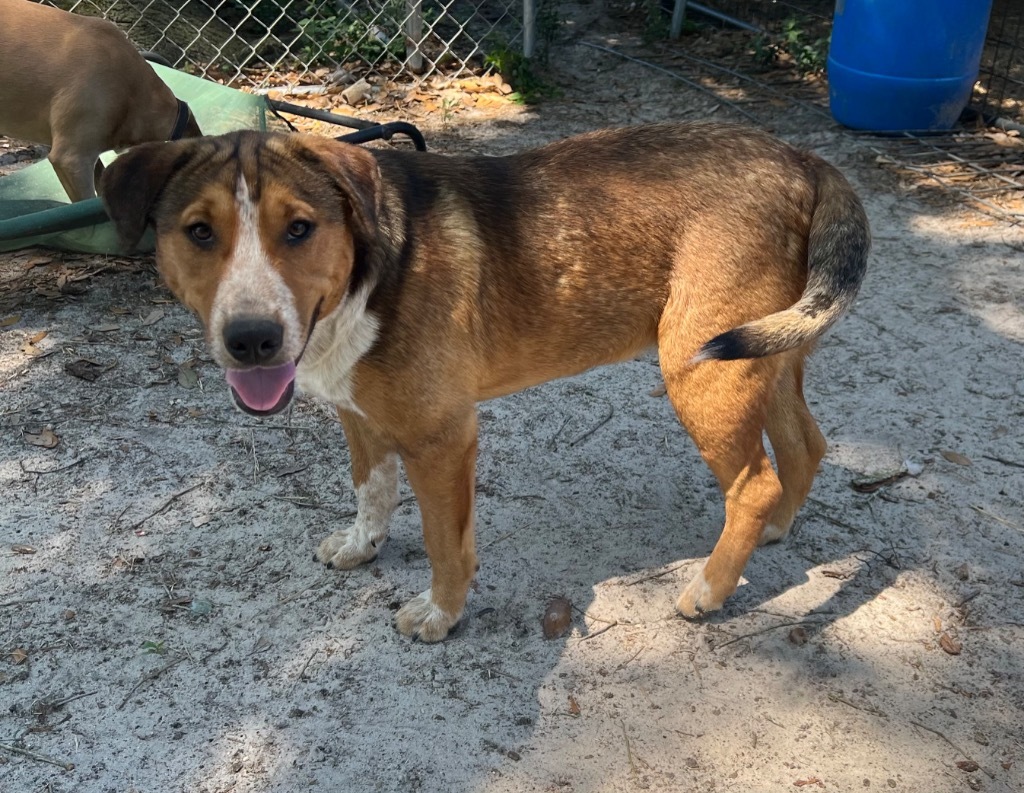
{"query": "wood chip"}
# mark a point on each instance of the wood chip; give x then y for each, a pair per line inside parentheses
(949, 644)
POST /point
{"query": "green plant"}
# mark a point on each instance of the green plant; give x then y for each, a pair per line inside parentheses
(155, 648)
(359, 34)
(521, 73)
(808, 54)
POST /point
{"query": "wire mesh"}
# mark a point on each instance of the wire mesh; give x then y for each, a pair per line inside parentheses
(1000, 90)
(261, 42)
(982, 163)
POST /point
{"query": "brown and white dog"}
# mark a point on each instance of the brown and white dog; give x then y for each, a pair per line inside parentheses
(78, 84)
(407, 287)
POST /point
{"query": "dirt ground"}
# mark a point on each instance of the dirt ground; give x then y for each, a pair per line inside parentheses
(164, 628)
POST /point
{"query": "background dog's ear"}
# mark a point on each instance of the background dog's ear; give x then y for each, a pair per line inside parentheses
(355, 172)
(131, 186)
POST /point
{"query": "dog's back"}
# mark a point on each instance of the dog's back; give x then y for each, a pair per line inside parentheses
(78, 84)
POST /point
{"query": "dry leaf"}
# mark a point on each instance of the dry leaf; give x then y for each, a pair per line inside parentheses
(574, 706)
(202, 520)
(809, 781)
(949, 644)
(37, 262)
(46, 438)
(6, 322)
(955, 457)
(108, 328)
(658, 391)
(873, 482)
(153, 317)
(187, 378)
(557, 616)
(86, 369)
(35, 338)
(18, 656)
(967, 765)
(24, 550)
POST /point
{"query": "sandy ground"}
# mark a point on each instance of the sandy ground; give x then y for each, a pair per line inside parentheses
(164, 628)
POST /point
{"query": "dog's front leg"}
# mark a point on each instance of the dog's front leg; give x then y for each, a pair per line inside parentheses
(375, 476)
(442, 473)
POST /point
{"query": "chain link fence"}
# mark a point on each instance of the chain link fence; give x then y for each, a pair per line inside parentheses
(258, 43)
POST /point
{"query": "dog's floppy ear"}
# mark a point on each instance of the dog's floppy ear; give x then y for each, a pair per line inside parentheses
(354, 170)
(131, 186)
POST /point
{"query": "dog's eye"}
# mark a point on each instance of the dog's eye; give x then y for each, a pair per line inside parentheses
(201, 233)
(299, 230)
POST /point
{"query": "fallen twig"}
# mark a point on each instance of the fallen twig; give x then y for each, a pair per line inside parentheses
(305, 666)
(956, 748)
(656, 575)
(79, 461)
(24, 602)
(735, 639)
(595, 428)
(170, 500)
(42, 758)
(854, 705)
(1002, 460)
(149, 677)
(629, 750)
(153, 674)
(595, 634)
(987, 514)
(496, 540)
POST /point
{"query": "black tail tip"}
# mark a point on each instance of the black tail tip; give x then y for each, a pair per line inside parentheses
(732, 345)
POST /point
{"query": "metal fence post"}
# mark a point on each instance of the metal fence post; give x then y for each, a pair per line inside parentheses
(678, 16)
(529, 27)
(414, 35)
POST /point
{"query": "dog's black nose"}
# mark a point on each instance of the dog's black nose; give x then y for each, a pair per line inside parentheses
(253, 341)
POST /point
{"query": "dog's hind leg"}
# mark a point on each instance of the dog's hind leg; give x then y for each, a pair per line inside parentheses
(375, 476)
(724, 406)
(442, 473)
(74, 170)
(798, 445)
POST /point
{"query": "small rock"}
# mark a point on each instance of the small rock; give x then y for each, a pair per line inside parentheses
(356, 92)
(798, 636)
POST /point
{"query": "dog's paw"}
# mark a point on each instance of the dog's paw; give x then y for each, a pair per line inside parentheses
(347, 548)
(773, 533)
(698, 598)
(422, 619)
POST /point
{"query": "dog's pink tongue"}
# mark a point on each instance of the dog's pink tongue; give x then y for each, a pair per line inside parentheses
(261, 388)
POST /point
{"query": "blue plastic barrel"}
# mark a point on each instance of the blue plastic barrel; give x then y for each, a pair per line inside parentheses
(904, 64)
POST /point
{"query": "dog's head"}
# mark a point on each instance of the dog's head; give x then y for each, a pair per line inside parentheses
(258, 234)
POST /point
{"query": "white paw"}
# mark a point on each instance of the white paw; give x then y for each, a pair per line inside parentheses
(773, 533)
(348, 548)
(697, 598)
(423, 619)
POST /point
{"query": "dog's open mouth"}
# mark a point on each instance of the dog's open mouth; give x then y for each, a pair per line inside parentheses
(263, 390)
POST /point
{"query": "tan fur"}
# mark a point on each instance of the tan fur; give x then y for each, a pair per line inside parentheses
(441, 282)
(78, 85)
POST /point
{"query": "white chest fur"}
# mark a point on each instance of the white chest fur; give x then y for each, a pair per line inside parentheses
(338, 342)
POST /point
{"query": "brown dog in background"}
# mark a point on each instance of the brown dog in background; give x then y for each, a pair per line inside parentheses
(406, 287)
(77, 84)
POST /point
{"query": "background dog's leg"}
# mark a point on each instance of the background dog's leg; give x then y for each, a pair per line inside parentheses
(375, 476)
(443, 476)
(798, 445)
(74, 170)
(724, 407)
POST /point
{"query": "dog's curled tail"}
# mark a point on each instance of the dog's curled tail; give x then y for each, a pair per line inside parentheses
(837, 253)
